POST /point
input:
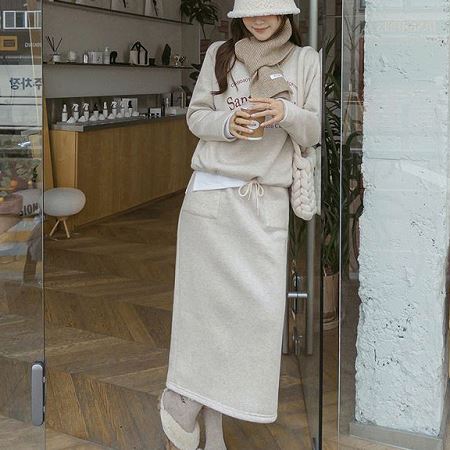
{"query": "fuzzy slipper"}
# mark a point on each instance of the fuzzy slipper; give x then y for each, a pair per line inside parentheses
(177, 437)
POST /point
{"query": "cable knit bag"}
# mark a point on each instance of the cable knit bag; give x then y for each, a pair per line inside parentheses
(304, 183)
(305, 191)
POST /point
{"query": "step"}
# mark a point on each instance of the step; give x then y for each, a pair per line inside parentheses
(117, 306)
(152, 263)
(112, 315)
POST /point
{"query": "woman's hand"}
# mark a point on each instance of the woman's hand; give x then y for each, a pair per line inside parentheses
(273, 107)
(237, 124)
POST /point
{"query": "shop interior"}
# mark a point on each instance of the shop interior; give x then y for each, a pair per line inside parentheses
(89, 287)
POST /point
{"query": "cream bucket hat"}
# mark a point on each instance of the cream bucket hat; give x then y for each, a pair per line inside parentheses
(252, 8)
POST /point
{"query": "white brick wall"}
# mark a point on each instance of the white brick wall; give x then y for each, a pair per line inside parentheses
(401, 363)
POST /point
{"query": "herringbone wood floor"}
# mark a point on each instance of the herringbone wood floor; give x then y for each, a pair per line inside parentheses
(108, 301)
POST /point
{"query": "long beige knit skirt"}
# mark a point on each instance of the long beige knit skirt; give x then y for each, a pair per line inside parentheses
(229, 301)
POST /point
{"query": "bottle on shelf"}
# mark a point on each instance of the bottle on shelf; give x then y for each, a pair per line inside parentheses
(166, 106)
(114, 109)
(64, 115)
(86, 111)
(106, 56)
(122, 108)
(75, 111)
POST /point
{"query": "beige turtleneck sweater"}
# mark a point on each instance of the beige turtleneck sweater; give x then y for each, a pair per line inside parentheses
(270, 160)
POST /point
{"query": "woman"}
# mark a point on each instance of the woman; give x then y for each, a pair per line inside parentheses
(230, 275)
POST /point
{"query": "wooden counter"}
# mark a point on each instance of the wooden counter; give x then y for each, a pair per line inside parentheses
(122, 167)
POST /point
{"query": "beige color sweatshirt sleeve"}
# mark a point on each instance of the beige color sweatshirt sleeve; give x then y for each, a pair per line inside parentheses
(202, 118)
(303, 123)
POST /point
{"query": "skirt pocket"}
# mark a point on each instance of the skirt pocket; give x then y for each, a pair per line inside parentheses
(203, 203)
(276, 213)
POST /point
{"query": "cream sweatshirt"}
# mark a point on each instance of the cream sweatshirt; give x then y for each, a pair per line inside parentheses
(270, 159)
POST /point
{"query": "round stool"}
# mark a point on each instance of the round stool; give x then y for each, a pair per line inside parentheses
(61, 203)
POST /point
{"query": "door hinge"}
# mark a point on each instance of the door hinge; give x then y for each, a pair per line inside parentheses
(315, 444)
(303, 295)
(297, 338)
(37, 393)
(297, 283)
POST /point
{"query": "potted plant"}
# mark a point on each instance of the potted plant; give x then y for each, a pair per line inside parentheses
(331, 191)
(341, 188)
(205, 13)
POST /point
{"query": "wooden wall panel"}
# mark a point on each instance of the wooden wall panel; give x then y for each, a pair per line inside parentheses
(63, 146)
(98, 153)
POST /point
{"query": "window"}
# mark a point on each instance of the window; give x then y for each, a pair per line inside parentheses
(19, 20)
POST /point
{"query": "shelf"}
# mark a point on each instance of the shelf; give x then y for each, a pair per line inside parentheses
(108, 123)
(155, 66)
(111, 11)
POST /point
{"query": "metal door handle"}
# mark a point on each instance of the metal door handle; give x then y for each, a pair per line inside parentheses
(37, 393)
(297, 295)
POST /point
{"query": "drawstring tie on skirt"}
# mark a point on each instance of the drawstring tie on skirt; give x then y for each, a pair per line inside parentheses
(247, 189)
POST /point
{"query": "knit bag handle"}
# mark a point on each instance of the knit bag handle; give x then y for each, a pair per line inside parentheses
(303, 196)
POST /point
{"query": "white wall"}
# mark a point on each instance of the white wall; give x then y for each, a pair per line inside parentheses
(401, 364)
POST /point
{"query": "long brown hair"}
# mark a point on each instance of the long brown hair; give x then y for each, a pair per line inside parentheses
(226, 57)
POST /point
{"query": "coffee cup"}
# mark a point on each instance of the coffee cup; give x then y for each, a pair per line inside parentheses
(258, 130)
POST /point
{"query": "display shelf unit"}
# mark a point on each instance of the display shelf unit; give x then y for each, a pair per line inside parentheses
(112, 11)
(155, 66)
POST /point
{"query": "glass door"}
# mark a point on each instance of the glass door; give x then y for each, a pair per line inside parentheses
(109, 288)
(21, 186)
(304, 307)
(352, 191)
(305, 279)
